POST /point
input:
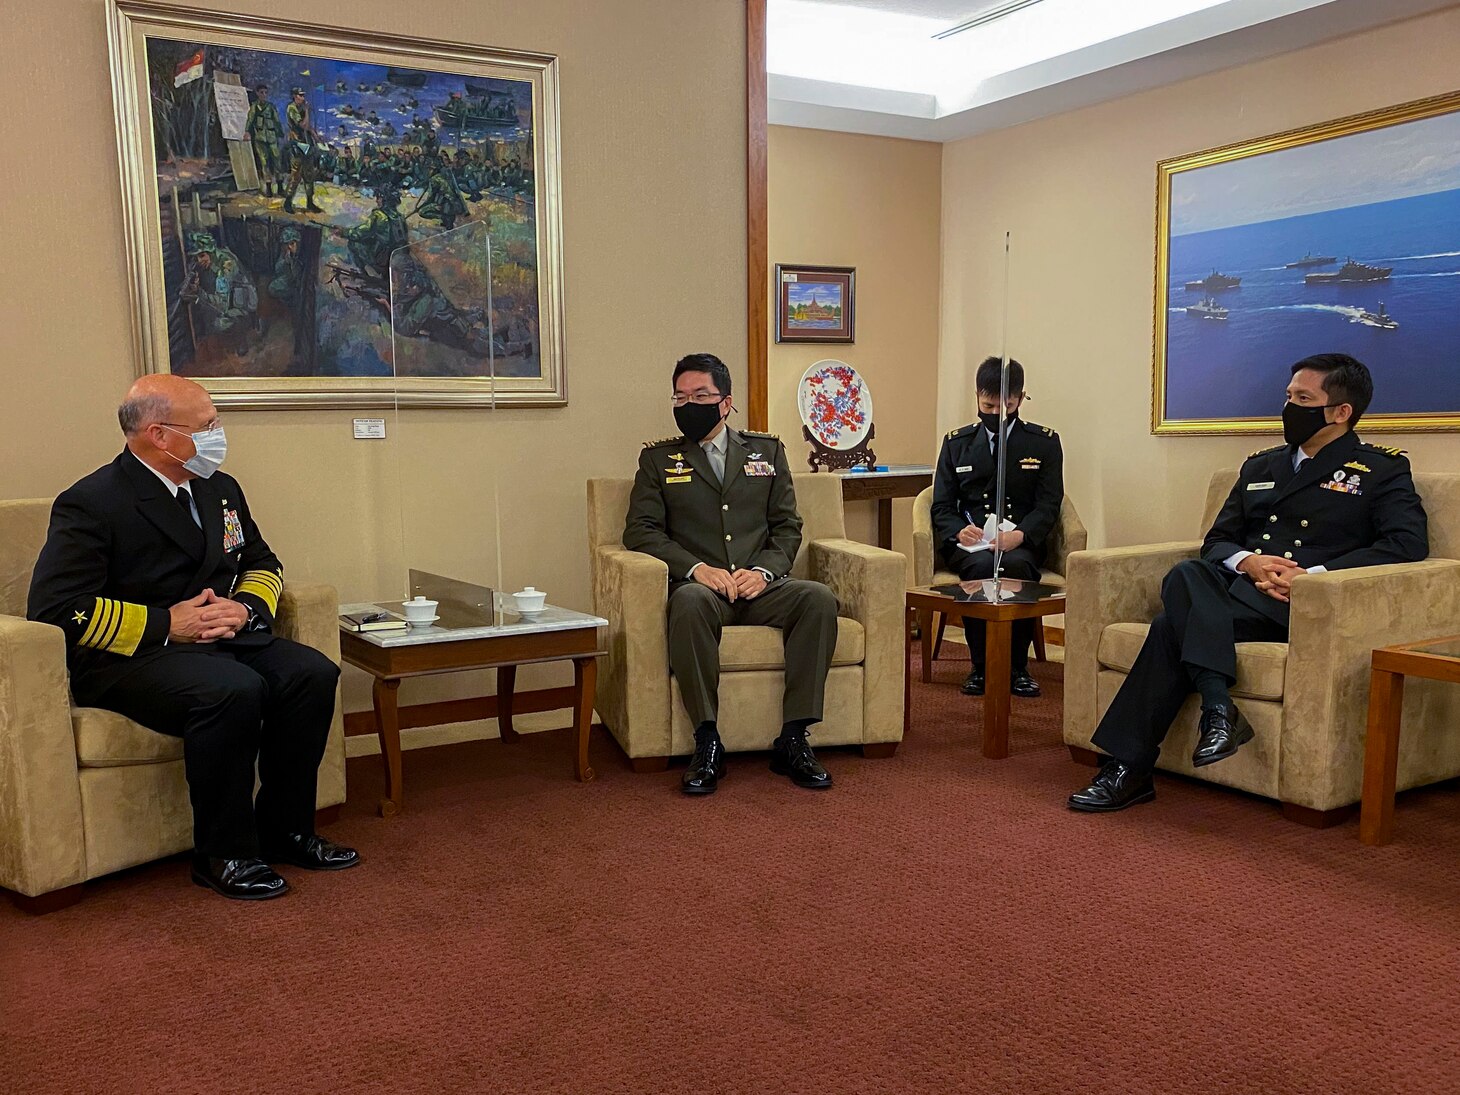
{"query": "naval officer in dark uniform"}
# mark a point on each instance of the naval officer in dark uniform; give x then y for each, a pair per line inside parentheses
(1323, 500)
(717, 506)
(965, 492)
(166, 590)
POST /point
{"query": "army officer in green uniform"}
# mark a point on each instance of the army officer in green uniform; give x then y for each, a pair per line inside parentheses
(265, 132)
(965, 494)
(717, 506)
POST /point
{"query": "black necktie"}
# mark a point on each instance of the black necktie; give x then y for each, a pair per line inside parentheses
(185, 500)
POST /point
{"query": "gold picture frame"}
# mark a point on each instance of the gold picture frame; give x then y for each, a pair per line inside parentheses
(520, 182)
(1330, 293)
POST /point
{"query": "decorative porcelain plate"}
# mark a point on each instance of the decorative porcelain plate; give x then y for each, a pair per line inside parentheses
(836, 404)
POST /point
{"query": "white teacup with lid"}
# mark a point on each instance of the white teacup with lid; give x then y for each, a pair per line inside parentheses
(529, 602)
(419, 611)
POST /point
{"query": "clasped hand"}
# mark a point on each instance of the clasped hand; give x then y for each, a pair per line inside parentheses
(970, 535)
(1272, 574)
(206, 618)
(745, 583)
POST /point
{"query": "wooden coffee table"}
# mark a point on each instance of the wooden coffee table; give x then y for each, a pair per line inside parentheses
(1436, 660)
(1033, 601)
(555, 634)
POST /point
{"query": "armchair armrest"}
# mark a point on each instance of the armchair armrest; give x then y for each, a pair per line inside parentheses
(869, 583)
(41, 845)
(630, 591)
(1338, 619)
(309, 614)
(1106, 586)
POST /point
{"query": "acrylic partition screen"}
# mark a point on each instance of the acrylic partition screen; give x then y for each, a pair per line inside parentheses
(442, 323)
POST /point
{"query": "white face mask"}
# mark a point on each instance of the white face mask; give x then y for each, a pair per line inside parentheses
(212, 448)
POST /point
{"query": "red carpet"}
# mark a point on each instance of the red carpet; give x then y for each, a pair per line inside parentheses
(936, 923)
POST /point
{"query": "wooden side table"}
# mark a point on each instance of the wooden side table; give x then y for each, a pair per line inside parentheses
(1035, 600)
(556, 634)
(1434, 659)
(898, 481)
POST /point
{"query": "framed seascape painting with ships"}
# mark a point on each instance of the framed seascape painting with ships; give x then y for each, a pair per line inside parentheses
(327, 217)
(1343, 237)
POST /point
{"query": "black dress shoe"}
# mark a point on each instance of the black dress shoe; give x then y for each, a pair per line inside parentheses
(973, 683)
(312, 852)
(1223, 732)
(706, 769)
(1022, 684)
(1117, 786)
(242, 879)
(793, 757)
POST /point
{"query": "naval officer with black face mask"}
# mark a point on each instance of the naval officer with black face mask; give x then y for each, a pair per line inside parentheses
(1323, 500)
(717, 506)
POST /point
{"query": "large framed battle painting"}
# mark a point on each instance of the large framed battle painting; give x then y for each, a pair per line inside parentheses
(327, 217)
(1343, 237)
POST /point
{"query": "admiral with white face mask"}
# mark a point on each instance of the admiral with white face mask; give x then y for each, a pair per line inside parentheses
(210, 449)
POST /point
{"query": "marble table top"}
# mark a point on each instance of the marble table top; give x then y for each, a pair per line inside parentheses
(892, 470)
(551, 618)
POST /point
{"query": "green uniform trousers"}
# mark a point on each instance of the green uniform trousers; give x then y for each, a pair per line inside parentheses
(804, 611)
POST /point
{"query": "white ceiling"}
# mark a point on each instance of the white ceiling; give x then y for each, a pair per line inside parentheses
(873, 66)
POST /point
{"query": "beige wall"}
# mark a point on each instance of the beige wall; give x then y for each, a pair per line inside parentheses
(840, 199)
(644, 158)
(1077, 192)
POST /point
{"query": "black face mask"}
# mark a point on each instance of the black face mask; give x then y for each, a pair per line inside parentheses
(991, 421)
(697, 420)
(1301, 423)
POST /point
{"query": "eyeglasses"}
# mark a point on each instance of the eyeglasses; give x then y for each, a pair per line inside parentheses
(702, 398)
(206, 427)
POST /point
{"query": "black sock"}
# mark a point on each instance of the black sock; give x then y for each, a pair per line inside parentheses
(1212, 686)
(796, 728)
(705, 733)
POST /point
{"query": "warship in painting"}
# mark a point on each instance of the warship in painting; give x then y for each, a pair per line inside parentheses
(1310, 259)
(1208, 309)
(1381, 319)
(1214, 283)
(1350, 272)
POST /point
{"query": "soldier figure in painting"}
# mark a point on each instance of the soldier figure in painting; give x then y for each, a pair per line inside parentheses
(220, 289)
(303, 153)
(265, 132)
(442, 200)
(372, 241)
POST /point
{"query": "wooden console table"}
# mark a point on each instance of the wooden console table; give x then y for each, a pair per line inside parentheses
(898, 481)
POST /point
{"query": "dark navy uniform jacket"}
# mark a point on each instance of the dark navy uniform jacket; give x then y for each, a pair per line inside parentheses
(965, 483)
(121, 551)
(1351, 505)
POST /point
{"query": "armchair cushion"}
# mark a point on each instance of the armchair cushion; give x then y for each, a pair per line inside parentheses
(105, 739)
(1261, 667)
(747, 647)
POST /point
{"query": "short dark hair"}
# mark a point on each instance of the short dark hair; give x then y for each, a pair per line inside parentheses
(988, 379)
(704, 363)
(1345, 380)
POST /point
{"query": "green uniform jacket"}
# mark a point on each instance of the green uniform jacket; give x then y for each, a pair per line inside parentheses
(679, 514)
(262, 124)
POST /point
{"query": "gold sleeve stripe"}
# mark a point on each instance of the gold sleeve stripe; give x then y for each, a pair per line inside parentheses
(98, 613)
(263, 584)
(116, 626)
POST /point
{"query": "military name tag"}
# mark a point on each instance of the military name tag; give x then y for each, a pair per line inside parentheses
(966, 467)
(679, 479)
(1261, 486)
(760, 467)
(232, 530)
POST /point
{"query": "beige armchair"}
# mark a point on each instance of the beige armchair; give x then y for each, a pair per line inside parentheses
(85, 792)
(1307, 699)
(1068, 536)
(639, 700)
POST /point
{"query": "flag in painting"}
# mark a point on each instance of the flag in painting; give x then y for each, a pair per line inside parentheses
(189, 70)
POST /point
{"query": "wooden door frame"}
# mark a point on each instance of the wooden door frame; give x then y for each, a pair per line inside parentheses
(757, 244)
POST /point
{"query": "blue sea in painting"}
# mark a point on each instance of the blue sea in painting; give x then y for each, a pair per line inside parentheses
(1238, 367)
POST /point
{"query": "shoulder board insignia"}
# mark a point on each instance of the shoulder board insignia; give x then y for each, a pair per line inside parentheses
(760, 433)
(1264, 452)
(1047, 431)
(1387, 450)
(664, 441)
(953, 433)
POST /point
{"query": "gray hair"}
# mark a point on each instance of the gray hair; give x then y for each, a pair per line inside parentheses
(137, 412)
